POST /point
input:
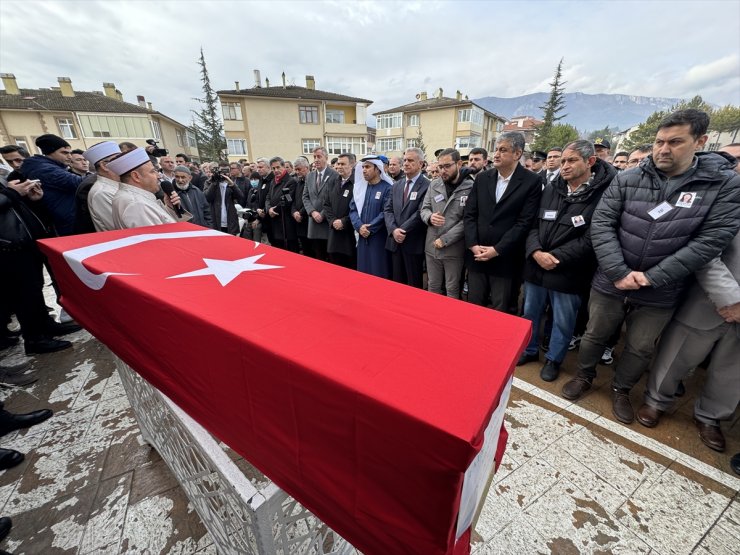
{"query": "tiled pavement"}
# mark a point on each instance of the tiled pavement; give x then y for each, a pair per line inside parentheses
(573, 480)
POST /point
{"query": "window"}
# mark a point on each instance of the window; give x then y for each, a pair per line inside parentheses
(388, 145)
(21, 142)
(309, 114)
(180, 138)
(231, 110)
(123, 127)
(236, 146)
(412, 143)
(66, 128)
(334, 116)
(388, 121)
(310, 144)
(156, 130)
(467, 142)
(712, 146)
(338, 145)
(190, 136)
(414, 120)
(473, 115)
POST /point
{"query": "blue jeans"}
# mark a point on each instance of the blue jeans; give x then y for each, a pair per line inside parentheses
(564, 313)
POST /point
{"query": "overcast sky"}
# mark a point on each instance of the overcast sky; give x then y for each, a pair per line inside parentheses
(382, 50)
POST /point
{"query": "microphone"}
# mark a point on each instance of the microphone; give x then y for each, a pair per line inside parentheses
(168, 190)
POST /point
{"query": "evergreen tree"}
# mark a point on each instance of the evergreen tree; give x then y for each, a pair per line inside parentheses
(560, 135)
(606, 133)
(726, 120)
(209, 131)
(551, 112)
(420, 139)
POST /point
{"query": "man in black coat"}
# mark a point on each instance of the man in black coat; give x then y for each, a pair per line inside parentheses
(560, 260)
(301, 168)
(498, 216)
(406, 231)
(279, 203)
(341, 245)
(649, 240)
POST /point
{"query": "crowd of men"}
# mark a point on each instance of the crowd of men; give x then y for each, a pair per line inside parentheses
(589, 247)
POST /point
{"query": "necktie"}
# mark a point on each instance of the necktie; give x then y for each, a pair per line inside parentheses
(318, 179)
(406, 191)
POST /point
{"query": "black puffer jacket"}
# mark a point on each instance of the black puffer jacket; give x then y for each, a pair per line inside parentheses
(671, 248)
(567, 240)
(20, 224)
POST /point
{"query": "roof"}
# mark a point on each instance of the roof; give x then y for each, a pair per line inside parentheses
(435, 103)
(293, 91)
(83, 101)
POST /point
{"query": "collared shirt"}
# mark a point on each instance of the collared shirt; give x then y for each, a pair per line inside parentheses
(135, 207)
(501, 185)
(552, 174)
(100, 203)
(580, 188)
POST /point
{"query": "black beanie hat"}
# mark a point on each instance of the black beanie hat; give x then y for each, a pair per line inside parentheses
(50, 143)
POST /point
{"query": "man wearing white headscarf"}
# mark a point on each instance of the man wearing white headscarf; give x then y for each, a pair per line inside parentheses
(371, 192)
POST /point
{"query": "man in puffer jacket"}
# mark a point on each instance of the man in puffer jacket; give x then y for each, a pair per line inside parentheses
(653, 228)
(560, 260)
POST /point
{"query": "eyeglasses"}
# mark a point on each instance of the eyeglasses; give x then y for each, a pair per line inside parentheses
(446, 166)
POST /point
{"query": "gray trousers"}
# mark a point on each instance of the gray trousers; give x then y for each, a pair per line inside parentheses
(445, 272)
(681, 348)
(644, 325)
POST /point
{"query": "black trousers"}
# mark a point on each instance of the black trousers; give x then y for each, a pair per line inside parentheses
(319, 249)
(344, 260)
(408, 268)
(482, 287)
(21, 286)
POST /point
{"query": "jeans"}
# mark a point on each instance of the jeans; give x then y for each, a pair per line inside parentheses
(644, 326)
(564, 313)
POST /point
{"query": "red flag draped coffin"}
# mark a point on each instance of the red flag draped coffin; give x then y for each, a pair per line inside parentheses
(364, 399)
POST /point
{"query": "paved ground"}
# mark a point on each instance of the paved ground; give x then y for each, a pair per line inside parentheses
(573, 479)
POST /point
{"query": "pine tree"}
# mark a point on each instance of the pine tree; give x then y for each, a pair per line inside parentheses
(420, 140)
(209, 130)
(726, 120)
(551, 112)
(562, 134)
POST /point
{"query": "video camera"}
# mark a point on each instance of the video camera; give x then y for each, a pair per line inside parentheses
(156, 151)
(285, 198)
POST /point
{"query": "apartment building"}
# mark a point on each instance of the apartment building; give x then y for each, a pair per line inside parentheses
(84, 118)
(289, 120)
(437, 122)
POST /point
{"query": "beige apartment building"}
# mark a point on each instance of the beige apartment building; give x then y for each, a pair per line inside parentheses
(85, 118)
(440, 122)
(289, 121)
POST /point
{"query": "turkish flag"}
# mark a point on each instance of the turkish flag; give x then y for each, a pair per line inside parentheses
(364, 399)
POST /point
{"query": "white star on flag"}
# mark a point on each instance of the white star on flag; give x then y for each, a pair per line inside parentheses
(227, 270)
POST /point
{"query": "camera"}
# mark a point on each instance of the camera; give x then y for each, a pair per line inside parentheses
(285, 198)
(156, 151)
(216, 175)
(249, 215)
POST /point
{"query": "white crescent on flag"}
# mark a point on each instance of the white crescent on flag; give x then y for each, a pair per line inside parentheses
(76, 257)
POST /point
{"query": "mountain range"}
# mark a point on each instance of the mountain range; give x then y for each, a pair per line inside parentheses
(587, 112)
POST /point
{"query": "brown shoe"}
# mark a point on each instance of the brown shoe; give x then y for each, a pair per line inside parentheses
(711, 435)
(573, 389)
(621, 407)
(649, 416)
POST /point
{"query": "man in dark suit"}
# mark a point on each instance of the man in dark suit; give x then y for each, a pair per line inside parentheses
(318, 184)
(342, 245)
(498, 215)
(406, 231)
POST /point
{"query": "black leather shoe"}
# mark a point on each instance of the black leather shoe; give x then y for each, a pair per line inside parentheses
(50, 345)
(5, 525)
(550, 371)
(10, 422)
(10, 458)
(9, 377)
(711, 435)
(649, 416)
(735, 463)
(573, 389)
(55, 328)
(622, 407)
(525, 358)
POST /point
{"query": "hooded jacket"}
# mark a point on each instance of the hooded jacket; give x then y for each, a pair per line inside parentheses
(668, 248)
(562, 229)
